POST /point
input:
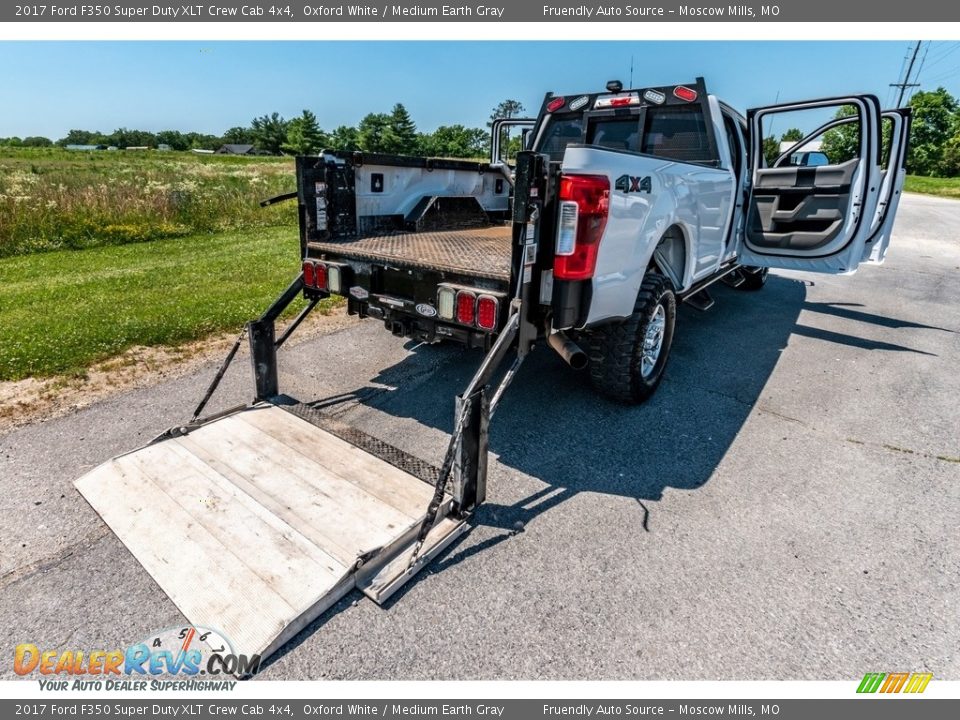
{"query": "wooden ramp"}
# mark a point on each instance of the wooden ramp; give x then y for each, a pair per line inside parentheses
(256, 523)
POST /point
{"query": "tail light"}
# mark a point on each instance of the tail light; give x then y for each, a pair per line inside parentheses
(320, 270)
(309, 274)
(555, 104)
(446, 303)
(487, 312)
(466, 307)
(584, 206)
(684, 93)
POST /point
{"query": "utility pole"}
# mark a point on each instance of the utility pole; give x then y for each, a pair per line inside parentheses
(906, 80)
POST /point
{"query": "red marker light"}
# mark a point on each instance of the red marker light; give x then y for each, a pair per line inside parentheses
(321, 272)
(555, 104)
(309, 274)
(466, 306)
(684, 93)
(487, 312)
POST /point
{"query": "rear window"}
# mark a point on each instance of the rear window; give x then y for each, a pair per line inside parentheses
(616, 134)
(678, 133)
(674, 132)
(562, 131)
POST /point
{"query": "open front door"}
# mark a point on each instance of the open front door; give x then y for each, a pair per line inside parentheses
(813, 198)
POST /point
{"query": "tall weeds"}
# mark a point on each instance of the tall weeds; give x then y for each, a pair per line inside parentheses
(54, 199)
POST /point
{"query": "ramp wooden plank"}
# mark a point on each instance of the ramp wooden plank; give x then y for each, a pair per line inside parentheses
(237, 520)
(351, 520)
(203, 576)
(389, 484)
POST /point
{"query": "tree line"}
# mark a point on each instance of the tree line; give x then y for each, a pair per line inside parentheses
(385, 132)
(934, 136)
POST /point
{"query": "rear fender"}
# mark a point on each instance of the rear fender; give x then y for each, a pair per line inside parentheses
(650, 195)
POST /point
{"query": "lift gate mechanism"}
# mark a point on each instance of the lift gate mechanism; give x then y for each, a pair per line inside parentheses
(257, 520)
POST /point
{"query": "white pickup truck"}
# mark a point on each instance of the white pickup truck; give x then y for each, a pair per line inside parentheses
(625, 202)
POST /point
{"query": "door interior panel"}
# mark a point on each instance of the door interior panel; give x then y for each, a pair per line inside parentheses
(800, 208)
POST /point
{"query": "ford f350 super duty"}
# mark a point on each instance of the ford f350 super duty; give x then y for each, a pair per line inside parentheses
(624, 203)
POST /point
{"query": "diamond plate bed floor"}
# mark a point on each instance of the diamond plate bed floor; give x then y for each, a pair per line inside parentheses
(483, 252)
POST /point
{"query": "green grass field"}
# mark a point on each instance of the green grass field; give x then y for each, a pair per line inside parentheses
(54, 199)
(62, 311)
(944, 187)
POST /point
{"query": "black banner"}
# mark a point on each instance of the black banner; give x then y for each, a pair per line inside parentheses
(488, 11)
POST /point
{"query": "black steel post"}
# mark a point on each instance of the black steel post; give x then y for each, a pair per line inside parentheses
(263, 356)
(470, 468)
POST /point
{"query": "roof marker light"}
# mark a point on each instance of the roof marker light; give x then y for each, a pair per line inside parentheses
(555, 104)
(579, 102)
(654, 96)
(684, 93)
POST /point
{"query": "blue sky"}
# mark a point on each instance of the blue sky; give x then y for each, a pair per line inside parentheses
(51, 87)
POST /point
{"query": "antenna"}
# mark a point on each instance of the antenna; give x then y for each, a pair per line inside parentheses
(631, 73)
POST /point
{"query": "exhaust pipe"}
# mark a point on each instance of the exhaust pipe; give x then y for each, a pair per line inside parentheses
(568, 350)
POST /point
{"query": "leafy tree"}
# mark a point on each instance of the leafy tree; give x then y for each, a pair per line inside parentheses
(842, 143)
(950, 162)
(792, 135)
(202, 141)
(124, 137)
(374, 133)
(239, 136)
(82, 137)
(304, 136)
(935, 120)
(344, 138)
(11, 141)
(455, 141)
(269, 133)
(506, 110)
(402, 138)
(174, 138)
(37, 141)
(771, 150)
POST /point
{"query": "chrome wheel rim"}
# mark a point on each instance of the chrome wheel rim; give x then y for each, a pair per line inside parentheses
(653, 341)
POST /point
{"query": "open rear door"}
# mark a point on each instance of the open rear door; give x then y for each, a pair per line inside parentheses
(814, 207)
(895, 140)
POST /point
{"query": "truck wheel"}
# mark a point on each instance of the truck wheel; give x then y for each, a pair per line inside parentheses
(627, 358)
(754, 278)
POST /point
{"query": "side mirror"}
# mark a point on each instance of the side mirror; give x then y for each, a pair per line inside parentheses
(815, 159)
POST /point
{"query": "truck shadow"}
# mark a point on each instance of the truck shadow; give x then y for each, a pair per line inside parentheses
(553, 427)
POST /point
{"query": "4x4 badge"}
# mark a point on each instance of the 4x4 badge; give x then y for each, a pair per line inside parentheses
(632, 183)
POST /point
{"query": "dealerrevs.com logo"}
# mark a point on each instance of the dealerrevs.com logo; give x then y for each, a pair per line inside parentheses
(197, 658)
(890, 683)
